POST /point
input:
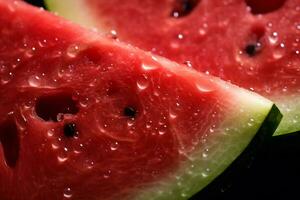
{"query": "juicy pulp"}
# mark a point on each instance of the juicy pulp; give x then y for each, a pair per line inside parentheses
(93, 118)
(258, 50)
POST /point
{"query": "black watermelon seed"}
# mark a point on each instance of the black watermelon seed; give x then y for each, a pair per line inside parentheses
(70, 130)
(252, 49)
(130, 112)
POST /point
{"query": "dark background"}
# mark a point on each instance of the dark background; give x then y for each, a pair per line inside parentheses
(274, 174)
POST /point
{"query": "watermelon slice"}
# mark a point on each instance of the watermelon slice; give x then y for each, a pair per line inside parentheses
(87, 117)
(254, 44)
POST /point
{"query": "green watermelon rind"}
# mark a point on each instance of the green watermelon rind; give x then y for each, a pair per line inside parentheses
(67, 8)
(291, 120)
(189, 179)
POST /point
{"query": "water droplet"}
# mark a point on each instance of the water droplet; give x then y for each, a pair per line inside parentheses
(273, 38)
(202, 31)
(149, 124)
(130, 122)
(55, 146)
(84, 102)
(6, 78)
(188, 64)
(298, 26)
(142, 83)
(34, 81)
(147, 67)
(174, 45)
(279, 51)
(154, 58)
(68, 193)
(89, 164)
(114, 146)
(203, 88)
(29, 52)
(78, 149)
(204, 174)
(183, 194)
(162, 129)
(204, 155)
(61, 158)
(50, 132)
(172, 115)
(107, 174)
(175, 14)
(180, 36)
(56, 54)
(114, 34)
(73, 50)
(66, 71)
(42, 43)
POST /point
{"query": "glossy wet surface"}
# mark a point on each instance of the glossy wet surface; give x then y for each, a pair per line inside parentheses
(253, 44)
(272, 175)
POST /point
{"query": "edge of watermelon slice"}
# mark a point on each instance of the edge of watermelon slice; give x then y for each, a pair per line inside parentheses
(201, 180)
(251, 118)
(86, 18)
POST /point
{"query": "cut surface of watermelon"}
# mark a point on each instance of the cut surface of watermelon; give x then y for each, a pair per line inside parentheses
(87, 117)
(254, 44)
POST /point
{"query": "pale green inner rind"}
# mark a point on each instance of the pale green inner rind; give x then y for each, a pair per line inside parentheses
(74, 10)
(290, 107)
(211, 159)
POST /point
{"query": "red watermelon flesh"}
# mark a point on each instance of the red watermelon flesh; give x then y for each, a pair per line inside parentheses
(254, 44)
(86, 117)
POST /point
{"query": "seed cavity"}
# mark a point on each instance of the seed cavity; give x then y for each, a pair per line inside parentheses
(183, 8)
(70, 130)
(264, 6)
(130, 112)
(254, 44)
(53, 107)
(10, 142)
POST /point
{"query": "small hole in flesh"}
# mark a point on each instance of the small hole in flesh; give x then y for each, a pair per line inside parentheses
(254, 45)
(9, 139)
(51, 107)
(130, 112)
(70, 130)
(183, 7)
(264, 6)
